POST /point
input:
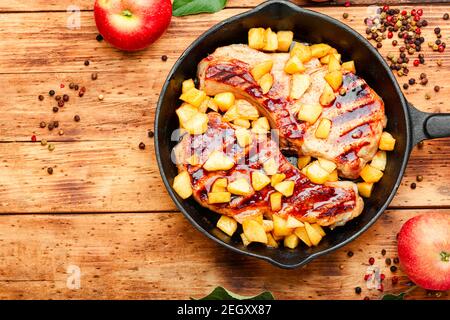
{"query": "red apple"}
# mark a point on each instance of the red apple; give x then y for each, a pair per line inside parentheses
(132, 24)
(424, 250)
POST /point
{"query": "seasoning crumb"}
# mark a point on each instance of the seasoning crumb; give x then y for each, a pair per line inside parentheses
(76, 118)
(427, 96)
(94, 76)
(100, 97)
(61, 132)
(50, 170)
(43, 142)
(99, 38)
(439, 63)
(151, 134)
(164, 58)
(358, 290)
(345, 15)
(86, 63)
(419, 178)
(51, 147)
(341, 267)
(142, 146)
(413, 185)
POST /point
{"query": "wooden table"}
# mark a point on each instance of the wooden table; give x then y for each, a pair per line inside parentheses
(105, 208)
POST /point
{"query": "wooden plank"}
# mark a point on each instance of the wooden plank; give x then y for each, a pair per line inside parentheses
(142, 256)
(64, 5)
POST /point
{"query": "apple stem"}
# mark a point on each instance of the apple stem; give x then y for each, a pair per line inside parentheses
(127, 13)
(445, 256)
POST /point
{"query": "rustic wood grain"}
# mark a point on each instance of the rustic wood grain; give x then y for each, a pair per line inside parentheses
(143, 256)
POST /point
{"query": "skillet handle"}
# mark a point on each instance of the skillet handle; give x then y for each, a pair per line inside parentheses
(428, 125)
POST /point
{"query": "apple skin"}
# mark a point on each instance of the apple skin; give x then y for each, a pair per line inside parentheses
(132, 25)
(420, 243)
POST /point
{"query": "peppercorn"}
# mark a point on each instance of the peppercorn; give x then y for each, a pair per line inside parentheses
(424, 81)
(41, 97)
(383, 252)
(71, 85)
(56, 124)
(50, 170)
(61, 103)
(81, 93)
(358, 290)
(379, 45)
(141, 146)
(51, 147)
(437, 88)
(75, 87)
(51, 93)
(413, 185)
(388, 261)
(437, 30)
(446, 16)
(345, 15)
(396, 260)
(94, 76)
(151, 134)
(99, 38)
(412, 81)
(424, 23)
(66, 97)
(416, 63)
(76, 118)
(50, 126)
(55, 109)
(164, 58)
(57, 98)
(422, 76)
(42, 124)
(419, 178)
(86, 62)
(394, 42)
(405, 86)
(393, 268)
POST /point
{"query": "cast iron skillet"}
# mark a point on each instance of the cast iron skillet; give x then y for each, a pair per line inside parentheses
(408, 125)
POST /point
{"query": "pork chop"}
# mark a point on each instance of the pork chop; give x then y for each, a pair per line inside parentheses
(331, 204)
(357, 113)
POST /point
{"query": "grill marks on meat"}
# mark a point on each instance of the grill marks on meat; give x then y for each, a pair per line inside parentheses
(358, 116)
(329, 204)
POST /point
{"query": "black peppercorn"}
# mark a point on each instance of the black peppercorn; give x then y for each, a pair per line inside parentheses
(393, 268)
(57, 98)
(66, 97)
(55, 109)
(56, 124)
(357, 290)
(76, 87)
(437, 88)
(412, 81)
(99, 38)
(446, 16)
(164, 58)
(405, 86)
(61, 103)
(42, 124)
(41, 97)
(396, 260)
(151, 134)
(51, 93)
(388, 261)
(141, 146)
(383, 252)
(71, 85)
(86, 62)
(437, 30)
(413, 185)
(50, 126)
(50, 170)
(76, 118)
(350, 254)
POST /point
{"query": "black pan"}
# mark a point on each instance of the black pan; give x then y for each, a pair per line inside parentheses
(408, 125)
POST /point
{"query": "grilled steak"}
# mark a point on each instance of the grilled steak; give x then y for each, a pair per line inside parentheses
(331, 204)
(357, 115)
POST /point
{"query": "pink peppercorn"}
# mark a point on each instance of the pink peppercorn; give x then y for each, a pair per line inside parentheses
(416, 63)
(33, 138)
(382, 277)
(347, 4)
(420, 12)
(372, 261)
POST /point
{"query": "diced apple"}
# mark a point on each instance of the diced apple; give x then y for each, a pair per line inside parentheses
(316, 173)
(333, 64)
(193, 96)
(293, 223)
(320, 50)
(243, 136)
(286, 188)
(256, 38)
(319, 229)
(371, 174)
(365, 189)
(334, 79)
(198, 124)
(277, 238)
(277, 178)
(259, 180)
(220, 185)
(261, 125)
(327, 97)
(333, 177)
(204, 106)
(261, 69)
(271, 40)
(313, 234)
(240, 187)
(187, 85)
(254, 231)
(266, 82)
(245, 241)
(387, 142)
(246, 110)
(224, 100)
(244, 123)
(231, 114)
(219, 197)
(271, 242)
(185, 112)
(309, 112)
(323, 129)
(305, 168)
(280, 226)
(326, 59)
(227, 225)
(270, 166)
(300, 83)
(268, 225)
(213, 105)
(302, 51)
(302, 161)
(349, 66)
(182, 185)
(284, 40)
(328, 165)
(275, 201)
(217, 160)
(294, 65)
(379, 160)
(291, 241)
(301, 233)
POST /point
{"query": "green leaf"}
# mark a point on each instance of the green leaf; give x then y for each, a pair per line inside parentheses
(221, 293)
(188, 7)
(390, 296)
